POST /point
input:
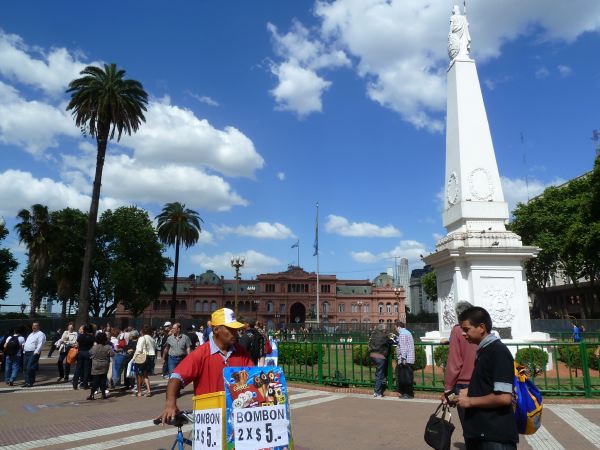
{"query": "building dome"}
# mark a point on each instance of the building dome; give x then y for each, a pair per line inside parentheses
(383, 280)
(208, 278)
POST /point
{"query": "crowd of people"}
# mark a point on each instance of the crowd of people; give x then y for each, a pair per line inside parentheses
(108, 358)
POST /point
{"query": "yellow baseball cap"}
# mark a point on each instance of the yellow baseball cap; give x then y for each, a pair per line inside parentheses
(225, 316)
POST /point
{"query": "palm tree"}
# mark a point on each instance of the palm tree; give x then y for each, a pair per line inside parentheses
(34, 232)
(178, 225)
(103, 102)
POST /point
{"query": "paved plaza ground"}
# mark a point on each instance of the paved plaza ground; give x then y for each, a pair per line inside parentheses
(54, 416)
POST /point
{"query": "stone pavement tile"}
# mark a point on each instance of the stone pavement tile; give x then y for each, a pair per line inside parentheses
(563, 433)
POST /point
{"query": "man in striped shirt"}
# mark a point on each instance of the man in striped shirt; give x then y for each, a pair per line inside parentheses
(405, 353)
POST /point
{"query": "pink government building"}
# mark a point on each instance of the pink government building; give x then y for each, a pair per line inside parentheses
(281, 298)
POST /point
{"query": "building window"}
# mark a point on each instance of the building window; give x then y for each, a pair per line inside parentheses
(380, 307)
(205, 306)
(325, 289)
(396, 308)
(341, 307)
(270, 306)
(270, 288)
(388, 308)
(282, 307)
(341, 321)
(325, 307)
(354, 307)
(197, 307)
(366, 308)
(213, 306)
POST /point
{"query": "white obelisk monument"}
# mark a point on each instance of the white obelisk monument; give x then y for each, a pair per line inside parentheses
(479, 260)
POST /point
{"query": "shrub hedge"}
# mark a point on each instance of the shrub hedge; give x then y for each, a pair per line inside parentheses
(440, 356)
(299, 353)
(535, 359)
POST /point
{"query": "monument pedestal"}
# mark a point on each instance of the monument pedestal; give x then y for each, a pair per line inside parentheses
(485, 269)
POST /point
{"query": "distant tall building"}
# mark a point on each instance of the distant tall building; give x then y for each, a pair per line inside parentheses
(403, 278)
(419, 301)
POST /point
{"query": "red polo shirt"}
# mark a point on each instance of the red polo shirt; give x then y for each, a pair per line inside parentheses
(204, 366)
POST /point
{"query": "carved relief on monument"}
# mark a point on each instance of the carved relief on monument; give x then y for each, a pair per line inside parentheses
(480, 185)
(452, 189)
(448, 313)
(498, 298)
(459, 38)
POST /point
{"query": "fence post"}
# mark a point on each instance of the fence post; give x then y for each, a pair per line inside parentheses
(320, 363)
(585, 368)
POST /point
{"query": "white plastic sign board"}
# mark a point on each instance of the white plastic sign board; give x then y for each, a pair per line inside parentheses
(208, 429)
(264, 427)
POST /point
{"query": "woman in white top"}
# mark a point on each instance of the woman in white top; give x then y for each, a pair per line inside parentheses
(145, 346)
(67, 340)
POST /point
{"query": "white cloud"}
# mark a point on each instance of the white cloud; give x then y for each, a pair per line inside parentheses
(255, 262)
(260, 230)
(519, 190)
(340, 225)
(400, 45)
(542, 72)
(126, 178)
(20, 190)
(51, 71)
(281, 176)
(437, 236)
(564, 71)
(410, 249)
(32, 125)
(299, 87)
(206, 237)
(175, 135)
(204, 99)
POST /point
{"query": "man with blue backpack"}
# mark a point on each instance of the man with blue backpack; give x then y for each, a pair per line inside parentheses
(489, 422)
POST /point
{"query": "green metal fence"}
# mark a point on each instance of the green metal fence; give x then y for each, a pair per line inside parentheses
(561, 368)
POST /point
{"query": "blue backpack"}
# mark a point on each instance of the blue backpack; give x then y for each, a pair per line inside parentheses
(527, 402)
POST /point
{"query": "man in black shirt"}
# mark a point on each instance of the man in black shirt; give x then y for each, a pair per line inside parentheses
(253, 342)
(489, 417)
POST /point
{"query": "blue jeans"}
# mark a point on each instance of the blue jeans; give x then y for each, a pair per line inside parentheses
(173, 361)
(116, 368)
(380, 375)
(11, 368)
(30, 367)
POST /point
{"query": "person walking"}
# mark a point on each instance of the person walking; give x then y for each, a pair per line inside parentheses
(119, 358)
(489, 422)
(145, 346)
(379, 348)
(100, 355)
(405, 355)
(32, 350)
(166, 332)
(129, 350)
(461, 361)
(13, 350)
(177, 347)
(85, 342)
(67, 341)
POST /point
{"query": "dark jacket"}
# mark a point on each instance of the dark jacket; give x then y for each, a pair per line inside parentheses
(379, 343)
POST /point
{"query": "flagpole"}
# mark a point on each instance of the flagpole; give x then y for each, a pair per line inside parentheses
(317, 252)
(298, 252)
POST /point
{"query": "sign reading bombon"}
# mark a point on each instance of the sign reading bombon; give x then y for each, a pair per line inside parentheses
(257, 409)
(208, 429)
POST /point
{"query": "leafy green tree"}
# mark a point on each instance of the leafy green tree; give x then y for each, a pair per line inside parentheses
(67, 245)
(103, 102)
(8, 264)
(429, 282)
(178, 225)
(129, 264)
(33, 231)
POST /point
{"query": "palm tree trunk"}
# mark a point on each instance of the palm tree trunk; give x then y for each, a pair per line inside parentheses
(174, 295)
(90, 239)
(35, 283)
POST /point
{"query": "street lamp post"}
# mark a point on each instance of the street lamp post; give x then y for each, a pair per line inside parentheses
(237, 263)
(277, 323)
(251, 291)
(397, 292)
(360, 305)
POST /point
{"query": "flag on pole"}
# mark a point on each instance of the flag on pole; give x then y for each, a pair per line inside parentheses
(316, 245)
(296, 244)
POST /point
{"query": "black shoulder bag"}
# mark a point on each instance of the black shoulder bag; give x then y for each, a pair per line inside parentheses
(439, 429)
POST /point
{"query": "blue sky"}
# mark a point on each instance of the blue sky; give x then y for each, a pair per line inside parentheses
(260, 109)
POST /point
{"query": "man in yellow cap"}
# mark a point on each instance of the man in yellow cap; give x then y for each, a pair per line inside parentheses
(204, 366)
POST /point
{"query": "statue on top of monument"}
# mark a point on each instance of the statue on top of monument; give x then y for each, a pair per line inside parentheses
(459, 39)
